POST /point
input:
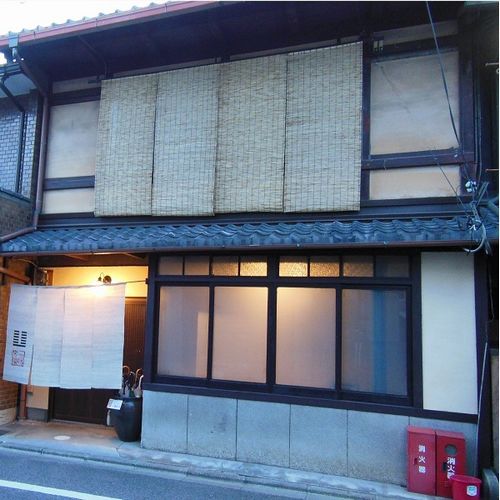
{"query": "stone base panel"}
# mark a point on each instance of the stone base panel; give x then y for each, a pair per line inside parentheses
(348, 443)
(7, 416)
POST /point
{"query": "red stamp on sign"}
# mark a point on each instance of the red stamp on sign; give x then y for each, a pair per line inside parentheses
(18, 357)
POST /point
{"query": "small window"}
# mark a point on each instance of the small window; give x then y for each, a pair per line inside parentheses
(392, 266)
(295, 267)
(324, 266)
(358, 266)
(196, 265)
(170, 266)
(253, 266)
(225, 266)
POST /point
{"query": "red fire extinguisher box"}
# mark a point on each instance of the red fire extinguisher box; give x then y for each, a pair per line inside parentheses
(421, 460)
(450, 460)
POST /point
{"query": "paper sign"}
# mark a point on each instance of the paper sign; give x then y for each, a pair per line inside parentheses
(114, 404)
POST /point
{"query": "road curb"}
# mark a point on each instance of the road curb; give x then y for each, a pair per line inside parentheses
(268, 476)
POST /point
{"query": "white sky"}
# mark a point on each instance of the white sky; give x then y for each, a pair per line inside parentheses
(16, 15)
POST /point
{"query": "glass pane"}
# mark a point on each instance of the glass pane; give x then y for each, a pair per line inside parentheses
(305, 353)
(407, 109)
(170, 265)
(196, 265)
(293, 266)
(374, 341)
(358, 265)
(240, 334)
(183, 331)
(225, 266)
(393, 266)
(415, 182)
(253, 266)
(324, 266)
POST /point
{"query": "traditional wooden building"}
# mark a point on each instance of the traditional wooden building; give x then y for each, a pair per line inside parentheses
(308, 190)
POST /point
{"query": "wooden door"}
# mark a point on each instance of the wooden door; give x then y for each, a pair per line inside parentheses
(89, 405)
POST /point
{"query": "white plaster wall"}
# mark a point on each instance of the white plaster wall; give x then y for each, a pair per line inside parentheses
(37, 397)
(449, 332)
(75, 276)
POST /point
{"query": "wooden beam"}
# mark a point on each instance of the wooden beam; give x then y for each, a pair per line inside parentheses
(13, 274)
(78, 257)
(136, 257)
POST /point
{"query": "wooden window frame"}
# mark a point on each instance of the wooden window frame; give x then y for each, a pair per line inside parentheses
(465, 157)
(325, 397)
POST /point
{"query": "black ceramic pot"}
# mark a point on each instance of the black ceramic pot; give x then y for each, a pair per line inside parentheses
(127, 420)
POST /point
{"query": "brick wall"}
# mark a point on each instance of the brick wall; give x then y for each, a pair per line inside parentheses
(15, 213)
(10, 120)
(8, 390)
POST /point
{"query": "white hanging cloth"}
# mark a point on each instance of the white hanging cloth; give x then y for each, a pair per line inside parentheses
(72, 336)
(20, 333)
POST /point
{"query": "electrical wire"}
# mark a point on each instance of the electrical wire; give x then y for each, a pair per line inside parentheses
(474, 221)
(445, 85)
(438, 51)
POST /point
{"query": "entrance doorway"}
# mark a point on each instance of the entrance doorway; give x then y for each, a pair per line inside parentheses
(89, 405)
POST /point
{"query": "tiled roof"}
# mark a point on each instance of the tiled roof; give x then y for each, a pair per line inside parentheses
(104, 19)
(246, 235)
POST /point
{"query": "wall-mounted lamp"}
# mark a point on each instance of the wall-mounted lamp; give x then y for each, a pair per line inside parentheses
(104, 279)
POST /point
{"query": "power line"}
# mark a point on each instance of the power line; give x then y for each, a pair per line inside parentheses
(474, 220)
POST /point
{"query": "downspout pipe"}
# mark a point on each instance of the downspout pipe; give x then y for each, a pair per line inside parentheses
(20, 141)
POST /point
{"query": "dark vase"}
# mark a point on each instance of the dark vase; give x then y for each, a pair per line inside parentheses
(127, 420)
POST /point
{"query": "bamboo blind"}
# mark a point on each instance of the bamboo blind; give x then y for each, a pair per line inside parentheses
(323, 129)
(271, 134)
(124, 159)
(185, 142)
(251, 136)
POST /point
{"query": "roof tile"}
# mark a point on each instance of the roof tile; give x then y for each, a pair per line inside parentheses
(265, 235)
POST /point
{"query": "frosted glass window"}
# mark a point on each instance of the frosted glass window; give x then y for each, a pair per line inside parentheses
(305, 354)
(374, 341)
(415, 182)
(393, 266)
(293, 266)
(68, 201)
(183, 331)
(324, 266)
(358, 265)
(408, 106)
(71, 144)
(240, 334)
(170, 265)
(225, 266)
(196, 265)
(253, 266)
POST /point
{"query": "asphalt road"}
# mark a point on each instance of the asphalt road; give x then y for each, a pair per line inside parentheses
(27, 476)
